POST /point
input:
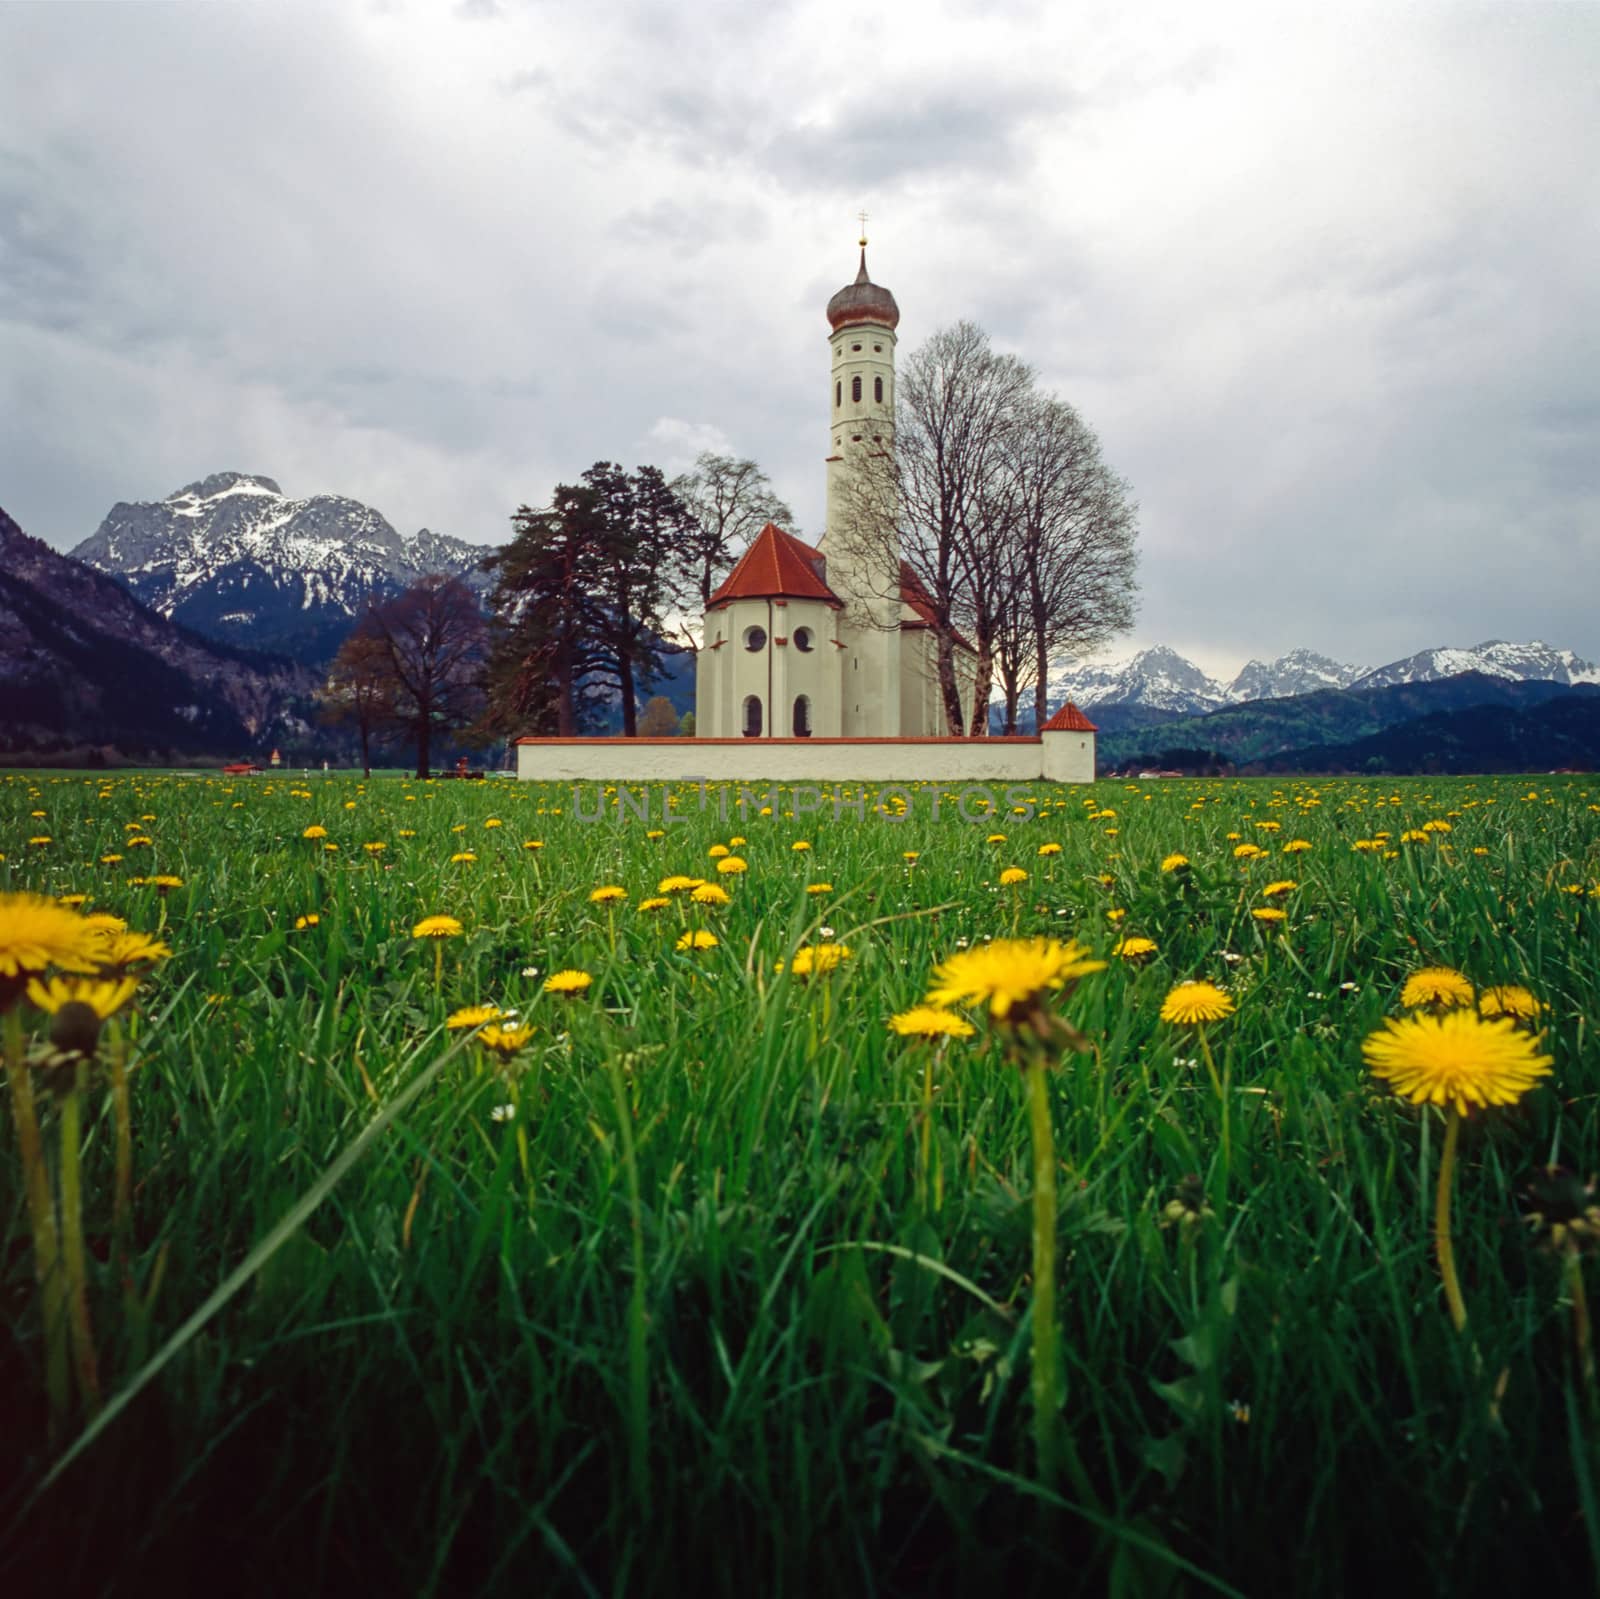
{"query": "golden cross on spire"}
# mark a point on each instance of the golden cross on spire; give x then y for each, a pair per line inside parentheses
(863, 216)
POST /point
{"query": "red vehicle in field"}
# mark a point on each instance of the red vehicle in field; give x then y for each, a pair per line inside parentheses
(241, 769)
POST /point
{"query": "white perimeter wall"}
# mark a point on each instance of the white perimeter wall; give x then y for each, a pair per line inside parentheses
(1053, 757)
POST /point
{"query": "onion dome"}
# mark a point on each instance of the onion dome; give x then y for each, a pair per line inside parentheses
(863, 301)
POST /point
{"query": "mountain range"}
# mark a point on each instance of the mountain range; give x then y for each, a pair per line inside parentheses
(88, 672)
(1157, 684)
(236, 559)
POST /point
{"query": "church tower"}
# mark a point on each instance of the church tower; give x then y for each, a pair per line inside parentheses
(863, 565)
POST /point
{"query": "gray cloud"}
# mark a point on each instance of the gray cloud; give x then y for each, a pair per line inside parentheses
(1322, 281)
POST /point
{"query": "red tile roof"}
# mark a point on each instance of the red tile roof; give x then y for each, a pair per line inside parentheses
(915, 597)
(777, 564)
(1069, 719)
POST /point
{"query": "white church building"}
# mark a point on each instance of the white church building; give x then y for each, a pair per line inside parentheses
(820, 662)
(823, 642)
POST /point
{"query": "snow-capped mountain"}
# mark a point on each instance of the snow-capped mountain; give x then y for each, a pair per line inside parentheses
(1298, 672)
(236, 559)
(1158, 678)
(1537, 661)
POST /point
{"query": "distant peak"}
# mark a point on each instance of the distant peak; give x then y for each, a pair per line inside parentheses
(209, 488)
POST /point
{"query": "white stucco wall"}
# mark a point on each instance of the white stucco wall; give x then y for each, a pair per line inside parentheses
(1056, 757)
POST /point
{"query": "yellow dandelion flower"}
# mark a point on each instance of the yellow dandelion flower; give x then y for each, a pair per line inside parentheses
(571, 982)
(608, 894)
(732, 865)
(697, 939)
(993, 838)
(1413, 835)
(473, 1016)
(493, 821)
(1510, 999)
(800, 845)
(1012, 875)
(36, 932)
(1439, 986)
(736, 841)
(1269, 913)
(711, 894)
(314, 831)
(1193, 1002)
(812, 960)
(301, 923)
(505, 1040)
(1049, 849)
(719, 852)
(1297, 846)
(1174, 863)
(1009, 972)
(676, 884)
(437, 927)
(105, 860)
(1437, 826)
(654, 832)
(105, 996)
(1457, 1059)
(819, 888)
(1285, 885)
(654, 903)
(1135, 948)
(1247, 852)
(533, 843)
(463, 857)
(376, 848)
(929, 1022)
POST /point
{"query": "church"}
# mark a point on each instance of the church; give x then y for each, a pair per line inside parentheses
(831, 640)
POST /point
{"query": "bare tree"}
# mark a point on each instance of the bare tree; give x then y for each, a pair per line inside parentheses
(1077, 557)
(730, 501)
(943, 500)
(997, 500)
(360, 690)
(434, 638)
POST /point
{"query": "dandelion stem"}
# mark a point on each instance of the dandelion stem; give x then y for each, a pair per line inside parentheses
(1582, 1336)
(638, 1349)
(438, 966)
(42, 1220)
(1046, 1374)
(122, 1117)
(1441, 1225)
(77, 1277)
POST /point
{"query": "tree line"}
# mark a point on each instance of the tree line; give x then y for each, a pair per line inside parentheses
(994, 495)
(589, 597)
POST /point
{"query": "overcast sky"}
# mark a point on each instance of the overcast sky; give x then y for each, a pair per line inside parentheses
(1325, 280)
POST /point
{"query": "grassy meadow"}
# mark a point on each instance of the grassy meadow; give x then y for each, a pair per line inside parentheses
(713, 1278)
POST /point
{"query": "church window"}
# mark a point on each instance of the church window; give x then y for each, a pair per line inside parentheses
(855, 388)
(877, 390)
(838, 394)
(855, 346)
(802, 717)
(755, 638)
(752, 716)
(802, 640)
(878, 348)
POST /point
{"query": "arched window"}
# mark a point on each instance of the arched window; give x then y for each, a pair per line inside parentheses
(855, 388)
(755, 639)
(802, 717)
(802, 640)
(877, 390)
(838, 395)
(752, 716)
